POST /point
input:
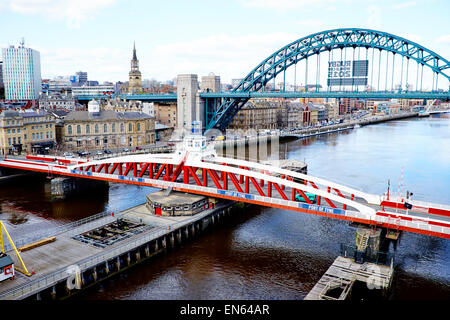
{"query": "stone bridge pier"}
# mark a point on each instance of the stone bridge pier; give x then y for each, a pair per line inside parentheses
(64, 187)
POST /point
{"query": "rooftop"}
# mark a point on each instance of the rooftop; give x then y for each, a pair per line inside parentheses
(106, 115)
(174, 198)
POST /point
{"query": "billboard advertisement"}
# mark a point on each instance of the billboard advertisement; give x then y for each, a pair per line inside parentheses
(348, 73)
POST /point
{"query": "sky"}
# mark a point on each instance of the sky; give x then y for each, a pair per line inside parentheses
(228, 38)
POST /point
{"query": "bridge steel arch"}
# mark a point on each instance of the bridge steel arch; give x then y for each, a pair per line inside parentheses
(314, 44)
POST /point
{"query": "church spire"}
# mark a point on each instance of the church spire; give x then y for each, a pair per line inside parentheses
(134, 50)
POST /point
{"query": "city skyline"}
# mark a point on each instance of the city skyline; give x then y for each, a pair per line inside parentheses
(228, 39)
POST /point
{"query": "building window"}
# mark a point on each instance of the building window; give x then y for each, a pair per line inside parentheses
(78, 129)
(130, 127)
(33, 137)
(138, 127)
(96, 128)
(113, 127)
(105, 128)
(69, 129)
(88, 128)
(121, 127)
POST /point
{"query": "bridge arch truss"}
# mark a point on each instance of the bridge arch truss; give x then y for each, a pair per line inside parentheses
(329, 40)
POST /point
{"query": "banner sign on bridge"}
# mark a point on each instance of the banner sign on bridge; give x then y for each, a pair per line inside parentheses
(348, 73)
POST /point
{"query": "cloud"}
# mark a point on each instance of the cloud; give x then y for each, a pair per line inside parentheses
(102, 64)
(374, 18)
(73, 12)
(284, 5)
(404, 5)
(445, 39)
(228, 56)
(314, 23)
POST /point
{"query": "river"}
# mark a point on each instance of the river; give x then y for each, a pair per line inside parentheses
(268, 253)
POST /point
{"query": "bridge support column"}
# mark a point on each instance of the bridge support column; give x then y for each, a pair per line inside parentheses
(172, 240)
(94, 274)
(106, 268)
(53, 293)
(63, 187)
(367, 243)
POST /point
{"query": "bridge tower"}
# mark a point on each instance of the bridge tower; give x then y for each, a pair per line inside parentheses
(190, 107)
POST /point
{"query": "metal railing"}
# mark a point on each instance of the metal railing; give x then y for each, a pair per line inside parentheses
(69, 227)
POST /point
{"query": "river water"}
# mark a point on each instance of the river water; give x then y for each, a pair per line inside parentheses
(268, 253)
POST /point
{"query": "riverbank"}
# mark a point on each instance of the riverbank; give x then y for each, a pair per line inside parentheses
(309, 132)
(81, 261)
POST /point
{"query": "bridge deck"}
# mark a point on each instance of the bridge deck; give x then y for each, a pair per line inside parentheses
(281, 195)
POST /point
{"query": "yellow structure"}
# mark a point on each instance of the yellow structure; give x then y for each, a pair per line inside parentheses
(2, 248)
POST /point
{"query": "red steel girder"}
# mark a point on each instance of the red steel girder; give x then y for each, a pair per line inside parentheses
(144, 169)
(235, 181)
(161, 169)
(280, 191)
(299, 191)
(177, 171)
(326, 199)
(215, 178)
(191, 171)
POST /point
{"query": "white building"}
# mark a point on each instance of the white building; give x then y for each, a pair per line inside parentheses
(92, 90)
(21, 73)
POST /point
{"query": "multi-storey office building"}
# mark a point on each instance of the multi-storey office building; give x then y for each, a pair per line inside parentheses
(21, 73)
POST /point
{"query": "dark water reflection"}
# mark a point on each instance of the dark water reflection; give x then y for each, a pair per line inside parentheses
(268, 253)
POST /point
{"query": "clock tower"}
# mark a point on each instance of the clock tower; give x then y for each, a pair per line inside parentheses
(135, 77)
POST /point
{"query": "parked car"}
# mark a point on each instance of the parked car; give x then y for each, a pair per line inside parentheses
(107, 151)
(138, 148)
(99, 153)
(68, 155)
(126, 150)
(83, 153)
